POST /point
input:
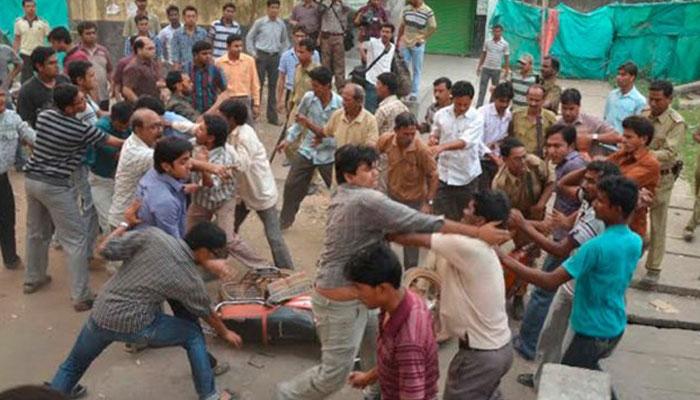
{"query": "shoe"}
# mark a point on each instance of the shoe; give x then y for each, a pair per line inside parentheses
(83, 305)
(30, 288)
(77, 392)
(526, 380)
(134, 348)
(651, 278)
(18, 264)
(688, 234)
(221, 368)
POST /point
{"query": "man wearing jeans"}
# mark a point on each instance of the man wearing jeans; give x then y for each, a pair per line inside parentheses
(603, 268)
(61, 142)
(417, 24)
(358, 217)
(157, 266)
(491, 61)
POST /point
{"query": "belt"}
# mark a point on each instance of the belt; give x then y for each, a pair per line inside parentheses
(265, 53)
(333, 33)
(464, 345)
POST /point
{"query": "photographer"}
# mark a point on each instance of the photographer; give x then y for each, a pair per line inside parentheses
(369, 19)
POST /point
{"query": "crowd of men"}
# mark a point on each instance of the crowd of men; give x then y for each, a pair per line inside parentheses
(158, 154)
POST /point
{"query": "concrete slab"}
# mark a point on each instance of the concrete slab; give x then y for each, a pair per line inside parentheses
(560, 382)
(682, 311)
(651, 363)
(680, 276)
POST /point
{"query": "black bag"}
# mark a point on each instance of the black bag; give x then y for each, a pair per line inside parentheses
(399, 67)
(358, 74)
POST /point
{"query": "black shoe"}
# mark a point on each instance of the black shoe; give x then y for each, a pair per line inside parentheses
(17, 264)
(77, 392)
(526, 380)
(83, 305)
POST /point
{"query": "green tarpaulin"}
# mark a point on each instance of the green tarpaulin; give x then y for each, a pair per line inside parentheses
(663, 39)
(55, 12)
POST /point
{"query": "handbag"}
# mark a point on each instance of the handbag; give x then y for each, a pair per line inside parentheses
(358, 75)
(348, 37)
(400, 68)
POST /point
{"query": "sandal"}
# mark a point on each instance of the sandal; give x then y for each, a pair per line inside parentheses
(32, 287)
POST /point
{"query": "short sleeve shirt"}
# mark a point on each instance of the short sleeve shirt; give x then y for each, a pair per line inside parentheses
(603, 268)
(495, 51)
(360, 131)
(619, 106)
(7, 57)
(525, 191)
(33, 34)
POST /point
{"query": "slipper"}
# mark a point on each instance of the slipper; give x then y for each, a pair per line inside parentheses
(30, 288)
(77, 392)
(526, 380)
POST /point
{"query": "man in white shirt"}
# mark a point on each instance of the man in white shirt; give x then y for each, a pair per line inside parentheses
(472, 301)
(377, 53)
(491, 61)
(255, 181)
(455, 139)
(497, 117)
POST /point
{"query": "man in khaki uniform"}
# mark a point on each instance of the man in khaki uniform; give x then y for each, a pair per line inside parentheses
(689, 232)
(669, 133)
(530, 123)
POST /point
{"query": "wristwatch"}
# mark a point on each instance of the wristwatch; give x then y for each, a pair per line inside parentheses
(430, 203)
(124, 225)
(595, 137)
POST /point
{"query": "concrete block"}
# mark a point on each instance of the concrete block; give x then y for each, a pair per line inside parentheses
(561, 382)
(662, 310)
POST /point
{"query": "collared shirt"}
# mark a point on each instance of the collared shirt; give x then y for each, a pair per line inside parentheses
(130, 28)
(525, 191)
(307, 16)
(219, 32)
(520, 85)
(410, 171)
(71, 56)
(141, 76)
(33, 33)
(101, 60)
(156, 41)
(241, 76)
(221, 190)
(302, 84)
(495, 52)
(430, 117)
(357, 218)
(587, 124)
(311, 107)
(256, 183)
(669, 136)
(7, 57)
(525, 129)
(571, 162)
(156, 267)
(495, 127)
(105, 158)
(552, 93)
(118, 76)
(182, 42)
(361, 130)
(644, 170)
(13, 131)
(419, 23)
(472, 295)
(135, 159)
(459, 167)
(387, 111)
(330, 22)
(371, 21)
(182, 105)
(165, 36)
(619, 106)
(603, 268)
(288, 65)
(207, 83)
(269, 36)
(407, 353)
(60, 145)
(34, 97)
(163, 203)
(375, 48)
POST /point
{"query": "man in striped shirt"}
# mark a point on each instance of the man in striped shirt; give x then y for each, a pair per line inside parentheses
(223, 28)
(216, 196)
(491, 61)
(207, 79)
(522, 80)
(417, 24)
(61, 142)
(407, 359)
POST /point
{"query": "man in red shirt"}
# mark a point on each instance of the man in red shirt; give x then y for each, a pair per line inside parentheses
(407, 359)
(61, 42)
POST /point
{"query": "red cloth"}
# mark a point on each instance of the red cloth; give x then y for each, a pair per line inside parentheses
(551, 29)
(407, 359)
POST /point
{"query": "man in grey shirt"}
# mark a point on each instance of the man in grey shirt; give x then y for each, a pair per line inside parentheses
(492, 57)
(358, 217)
(156, 267)
(266, 40)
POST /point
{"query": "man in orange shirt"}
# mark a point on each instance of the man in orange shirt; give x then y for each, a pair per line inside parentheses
(242, 82)
(637, 163)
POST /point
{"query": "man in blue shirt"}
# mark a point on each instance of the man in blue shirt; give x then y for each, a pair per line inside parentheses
(314, 111)
(626, 99)
(603, 268)
(184, 38)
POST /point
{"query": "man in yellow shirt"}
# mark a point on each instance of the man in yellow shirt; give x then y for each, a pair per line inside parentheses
(241, 76)
(352, 124)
